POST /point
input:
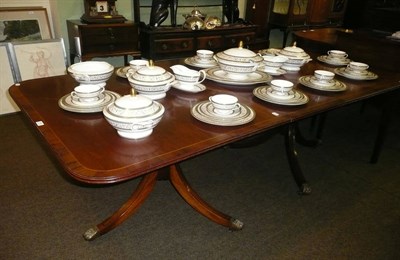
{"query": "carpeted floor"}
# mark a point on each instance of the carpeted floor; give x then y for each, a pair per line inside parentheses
(352, 213)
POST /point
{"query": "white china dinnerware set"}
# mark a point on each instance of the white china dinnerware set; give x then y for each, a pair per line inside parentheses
(335, 58)
(222, 110)
(203, 59)
(281, 92)
(90, 95)
(323, 80)
(357, 71)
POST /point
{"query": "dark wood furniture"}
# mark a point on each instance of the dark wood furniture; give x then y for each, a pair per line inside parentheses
(91, 151)
(171, 42)
(257, 13)
(88, 41)
(294, 15)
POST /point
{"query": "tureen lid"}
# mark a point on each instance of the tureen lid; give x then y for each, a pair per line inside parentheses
(294, 51)
(240, 52)
(151, 69)
(133, 101)
(150, 75)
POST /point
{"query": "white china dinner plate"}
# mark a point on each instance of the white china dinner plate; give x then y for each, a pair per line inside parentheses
(336, 86)
(204, 112)
(218, 75)
(192, 61)
(368, 76)
(337, 62)
(121, 72)
(266, 93)
(192, 89)
(276, 72)
(68, 104)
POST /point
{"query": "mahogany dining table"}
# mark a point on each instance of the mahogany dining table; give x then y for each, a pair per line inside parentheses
(90, 150)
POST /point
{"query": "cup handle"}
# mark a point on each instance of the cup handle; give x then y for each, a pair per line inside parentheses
(202, 76)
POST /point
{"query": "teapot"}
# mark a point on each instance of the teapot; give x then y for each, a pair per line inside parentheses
(194, 20)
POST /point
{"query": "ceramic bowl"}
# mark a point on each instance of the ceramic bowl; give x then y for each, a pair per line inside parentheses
(91, 72)
(238, 60)
(151, 81)
(134, 116)
(274, 61)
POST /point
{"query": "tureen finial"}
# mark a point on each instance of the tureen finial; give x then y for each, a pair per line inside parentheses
(241, 44)
(151, 63)
(294, 44)
(133, 92)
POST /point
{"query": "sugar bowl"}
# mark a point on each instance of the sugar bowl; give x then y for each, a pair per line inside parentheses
(134, 116)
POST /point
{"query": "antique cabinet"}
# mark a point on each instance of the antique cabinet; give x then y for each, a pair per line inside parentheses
(291, 15)
(170, 42)
(88, 41)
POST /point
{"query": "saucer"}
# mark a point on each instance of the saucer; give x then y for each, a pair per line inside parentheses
(193, 62)
(336, 62)
(368, 76)
(218, 75)
(121, 72)
(68, 104)
(324, 84)
(188, 88)
(266, 93)
(308, 82)
(276, 72)
(204, 112)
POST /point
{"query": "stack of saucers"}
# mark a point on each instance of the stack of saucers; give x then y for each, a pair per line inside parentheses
(357, 71)
(335, 57)
(203, 59)
(322, 80)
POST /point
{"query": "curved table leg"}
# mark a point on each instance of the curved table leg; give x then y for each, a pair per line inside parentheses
(290, 137)
(137, 198)
(194, 200)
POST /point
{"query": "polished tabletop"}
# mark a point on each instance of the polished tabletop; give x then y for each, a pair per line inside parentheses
(91, 151)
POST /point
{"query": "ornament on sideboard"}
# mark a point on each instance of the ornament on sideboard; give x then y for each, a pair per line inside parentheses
(101, 12)
(159, 12)
(199, 21)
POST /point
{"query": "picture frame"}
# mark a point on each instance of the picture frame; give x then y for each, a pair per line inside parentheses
(24, 24)
(8, 78)
(38, 59)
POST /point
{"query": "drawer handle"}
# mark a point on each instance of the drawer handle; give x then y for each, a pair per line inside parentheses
(210, 43)
(233, 41)
(111, 32)
(164, 46)
(184, 45)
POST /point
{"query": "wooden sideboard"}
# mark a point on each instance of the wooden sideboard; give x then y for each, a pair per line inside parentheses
(173, 42)
(103, 40)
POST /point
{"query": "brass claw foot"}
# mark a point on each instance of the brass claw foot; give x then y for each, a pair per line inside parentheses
(91, 234)
(236, 225)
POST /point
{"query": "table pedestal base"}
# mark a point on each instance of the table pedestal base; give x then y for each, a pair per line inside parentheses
(144, 189)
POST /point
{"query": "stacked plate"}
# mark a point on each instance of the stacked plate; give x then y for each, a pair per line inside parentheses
(218, 75)
(205, 112)
(332, 85)
(290, 98)
(200, 63)
(347, 73)
(331, 61)
(69, 103)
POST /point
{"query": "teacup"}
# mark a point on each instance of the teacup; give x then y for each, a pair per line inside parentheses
(192, 78)
(137, 64)
(281, 85)
(224, 104)
(204, 55)
(356, 67)
(337, 54)
(324, 75)
(87, 92)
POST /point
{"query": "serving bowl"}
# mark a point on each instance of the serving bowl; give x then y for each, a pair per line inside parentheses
(237, 62)
(91, 72)
(151, 81)
(134, 116)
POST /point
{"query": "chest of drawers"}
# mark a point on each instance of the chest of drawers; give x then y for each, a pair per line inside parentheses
(171, 42)
(102, 40)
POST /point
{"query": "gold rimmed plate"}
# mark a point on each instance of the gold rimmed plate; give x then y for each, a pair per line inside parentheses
(367, 76)
(335, 86)
(218, 75)
(266, 93)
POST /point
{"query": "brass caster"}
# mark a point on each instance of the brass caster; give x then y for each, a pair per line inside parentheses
(91, 234)
(236, 225)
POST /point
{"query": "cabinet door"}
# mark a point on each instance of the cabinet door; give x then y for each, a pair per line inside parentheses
(318, 12)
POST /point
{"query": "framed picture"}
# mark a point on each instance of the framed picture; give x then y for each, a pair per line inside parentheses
(24, 24)
(7, 79)
(38, 59)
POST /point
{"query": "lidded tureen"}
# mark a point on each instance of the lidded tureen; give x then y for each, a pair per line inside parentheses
(238, 61)
(297, 57)
(151, 81)
(134, 116)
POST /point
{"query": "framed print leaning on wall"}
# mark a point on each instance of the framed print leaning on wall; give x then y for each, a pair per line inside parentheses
(24, 24)
(7, 78)
(38, 59)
